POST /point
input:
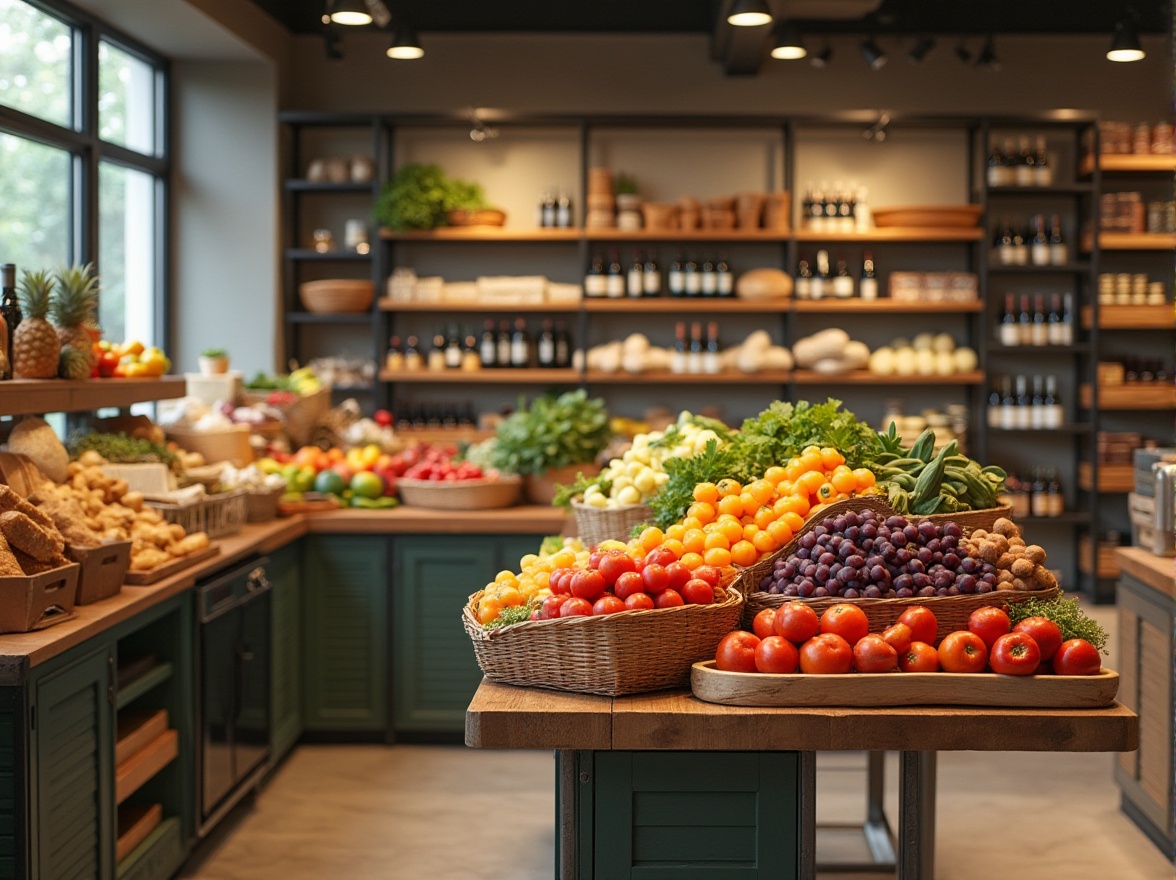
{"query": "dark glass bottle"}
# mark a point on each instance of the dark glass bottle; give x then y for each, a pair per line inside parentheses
(502, 357)
(651, 275)
(545, 347)
(10, 310)
(724, 277)
(563, 345)
(488, 347)
(677, 283)
(520, 345)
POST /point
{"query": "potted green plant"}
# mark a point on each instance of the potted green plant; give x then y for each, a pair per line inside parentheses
(421, 196)
(628, 198)
(214, 361)
(551, 441)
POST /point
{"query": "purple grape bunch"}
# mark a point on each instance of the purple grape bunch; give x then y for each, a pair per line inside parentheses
(855, 556)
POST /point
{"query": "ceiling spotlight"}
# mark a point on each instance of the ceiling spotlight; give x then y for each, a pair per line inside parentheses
(822, 58)
(406, 46)
(1125, 46)
(962, 53)
(749, 13)
(987, 58)
(877, 131)
(874, 56)
(350, 12)
(789, 46)
(919, 51)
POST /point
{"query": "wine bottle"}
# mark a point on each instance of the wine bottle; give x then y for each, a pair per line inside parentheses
(1039, 332)
(1026, 163)
(1024, 322)
(1042, 170)
(413, 362)
(488, 347)
(691, 276)
(545, 347)
(615, 277)
(1054, 333)
(1004, 244)
(453, 349)
(1067, 331)
(833, 207)
(520, 345)
(1024, 413)
(394, 357)
(817, 221)
(471, 361)
(502, 358)
(1039, 500)
(820, 284)
(694, 361)
(1009, 160)
(868, 286)
(1058, 252)
(563, 345)
(993, 413)
(724, 278)
(1039, 253)
(842, 281)
(1008, 404)
(710, 359)
(677, 282)
(710, 281)
(549, 208)
(595, 284)
(1020, 248)
(563, 210)
(635, 282)
(845, 210)
(995, 172)
(650, 275)
(436, 356)
(1053, 414)
(1009, 333)
(1037, 415)
(806, 204)
(10, 311)
(804, 280)
(678, 359)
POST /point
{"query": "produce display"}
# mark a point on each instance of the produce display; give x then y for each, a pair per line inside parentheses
(926, 355)
(360, 477)
(554, 431)
(300, 383)
(116, 360)
(916, 481)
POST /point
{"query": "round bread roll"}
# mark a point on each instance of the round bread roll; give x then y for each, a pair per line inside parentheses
(764, 284)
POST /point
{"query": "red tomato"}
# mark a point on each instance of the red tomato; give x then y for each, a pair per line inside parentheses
(1077, 657)
(1015, 653)
(708, 573)
(990, 623)
(594, 559)
(575, 607)
(962, 651)
(898, 637)
(565, 582)
(919, 657)
(826, 654)
(873, 654)
(608, 604)
(639, 602)
(550, 606)
(669, 599)
(697, 592)
(847, 621)
(679, 574)
(764, 623)
(736, 652)
(661, 556)
(627, 584)
(797, 622)
(776, 654)
(655, 577)
(1045, 632)
(922, 622)
(588, 584)
(560, 580)
(614, 564)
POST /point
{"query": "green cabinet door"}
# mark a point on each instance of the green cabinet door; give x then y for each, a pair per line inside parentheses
(435, 673)
(73, 732)
(345, 633)
(285, 649)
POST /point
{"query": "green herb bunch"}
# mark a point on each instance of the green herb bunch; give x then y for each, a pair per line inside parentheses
(553, 432)
(123, 449)
(420, 196)
(782, 430)
(1066, 613)
(712, 464)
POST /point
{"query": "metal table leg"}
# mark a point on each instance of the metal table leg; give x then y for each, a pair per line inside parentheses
(876, 828)
(916, 816)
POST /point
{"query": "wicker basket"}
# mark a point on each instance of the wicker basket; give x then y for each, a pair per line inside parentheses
(261, 505)
(460, 494)
(596, 524)
(336, 295)
(217, 515)
(301, 416)
(628, 652)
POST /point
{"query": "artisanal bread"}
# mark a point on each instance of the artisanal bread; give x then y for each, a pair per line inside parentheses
(764, 284)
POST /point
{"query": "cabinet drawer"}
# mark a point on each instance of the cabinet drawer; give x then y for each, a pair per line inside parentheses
(157, 857)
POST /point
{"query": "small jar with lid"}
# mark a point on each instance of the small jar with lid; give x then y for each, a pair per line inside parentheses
(1106, 289)
(1161, 140)
(1138, 289)
(1123, 289)
(1155, 293)
(1142, 141)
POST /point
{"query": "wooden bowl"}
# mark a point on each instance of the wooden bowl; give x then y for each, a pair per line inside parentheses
(489, 217)
(486, 494)
(336, 295)
(956, 216)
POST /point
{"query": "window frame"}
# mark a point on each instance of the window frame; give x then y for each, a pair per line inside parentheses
(87, 150)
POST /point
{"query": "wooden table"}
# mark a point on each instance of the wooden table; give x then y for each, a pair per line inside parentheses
(507, 717)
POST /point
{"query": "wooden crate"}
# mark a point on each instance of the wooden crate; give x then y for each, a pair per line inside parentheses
(1129, 317)
(1112, 478)
(1130, 395)
(1105, 567)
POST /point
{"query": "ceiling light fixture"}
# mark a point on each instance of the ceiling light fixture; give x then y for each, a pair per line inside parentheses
(349, 12)
(749, 13)
(987, 59)
(962, 53)
(1126, 46)
(921, 48)
(406, 46)
(874, 56)
(789, 46)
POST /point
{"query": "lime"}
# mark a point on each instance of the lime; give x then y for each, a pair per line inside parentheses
(329, 481)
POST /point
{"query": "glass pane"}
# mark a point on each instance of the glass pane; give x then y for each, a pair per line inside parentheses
(126, 253)
(126, 99)
(34, 204)
(35, 62)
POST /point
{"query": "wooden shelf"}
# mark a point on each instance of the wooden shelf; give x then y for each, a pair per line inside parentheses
(309, 255)
(136, 730)
(134, 772)
(135, 824)
(1130, 396)
(314, 186)
(995, 347)
(897, 233)
(1063, 269)
(1058, 189)
(884, 306)
(1101, 563)
(865, 377)
(731, 235)
(692, 305)
(141, 684)
(389, 305)
(664, 377)
(22, 396)
(484, 233)
(329, 317)
(1130, 241)
(1072, 518)
(1130, 317)
(486, 377)
(1129, 163)
(1112, 478)
(1075, 428)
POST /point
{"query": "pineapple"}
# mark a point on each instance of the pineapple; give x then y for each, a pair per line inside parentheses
(73, 364)
(35, 347)
(76, 308)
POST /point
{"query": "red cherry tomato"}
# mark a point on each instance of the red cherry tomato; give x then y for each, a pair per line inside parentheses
(1045, 632)
(1015, 653)
(575, 607)
(627, 584)
(847, 621)
(661, 556)
(608, 604)
(655, 577)
(550, 606)
(990, 623)
(919, 657)
(668, 599)
(796, 622)
(614, 564)
(736, 652)
(962, 651)
(777, 655)
(826, 654)
(639, 602)
(764, 621)
(697, 592)
(678, 574)
(709, 573)
(872, 653)
(1077, 657)
(922, 622)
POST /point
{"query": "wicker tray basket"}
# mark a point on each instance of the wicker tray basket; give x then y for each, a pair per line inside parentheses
(261, 505)
(628, 652)
(217, 515)
(460, 494)
(596, 524)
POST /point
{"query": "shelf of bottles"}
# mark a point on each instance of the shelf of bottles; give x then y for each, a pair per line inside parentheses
(641, 279)
(1028, 322)
(505, 351)
(1036, 245)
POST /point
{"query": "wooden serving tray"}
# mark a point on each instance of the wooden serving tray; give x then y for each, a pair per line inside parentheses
(904, 689)
(145, 578)
(135, 823)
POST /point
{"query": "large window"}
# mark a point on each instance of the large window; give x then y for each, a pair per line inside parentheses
(83, 158)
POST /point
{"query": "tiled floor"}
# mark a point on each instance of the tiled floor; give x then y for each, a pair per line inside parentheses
(450, 813)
